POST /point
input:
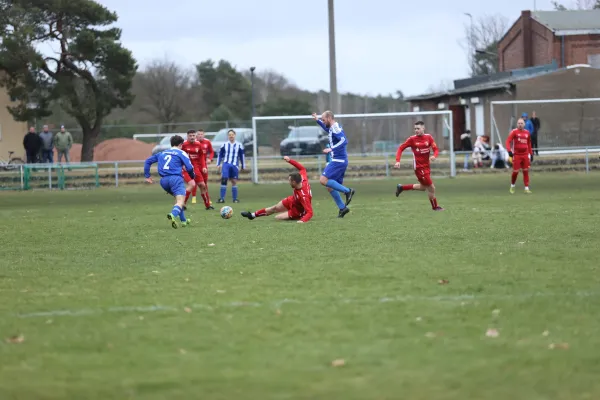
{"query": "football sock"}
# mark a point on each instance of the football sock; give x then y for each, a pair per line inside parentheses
(260, 213)
(337, 186)
(176, 211)
(526, 179)
(234, 192)
(205, 199)
(187, 196)
(433, 202)
(338, 199)
(408, 187)
(194, 191)
(513, 178)
(182, 216)
(223, 191)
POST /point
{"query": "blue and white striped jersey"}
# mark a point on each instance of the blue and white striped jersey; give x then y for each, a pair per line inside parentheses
(337, 141)
(232, 153)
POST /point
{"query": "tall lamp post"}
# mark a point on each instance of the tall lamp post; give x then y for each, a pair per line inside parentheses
(471, 44)
(252, 90)
(333, 91)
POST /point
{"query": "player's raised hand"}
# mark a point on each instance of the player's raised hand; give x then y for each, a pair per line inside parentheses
(315, 116)
(286, 159)
(149, 180)
(397, 165)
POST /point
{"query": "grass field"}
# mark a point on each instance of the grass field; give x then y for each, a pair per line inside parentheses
(101, 299)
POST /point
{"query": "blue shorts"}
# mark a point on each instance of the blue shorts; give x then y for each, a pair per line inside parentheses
(336, 171)
(229, 171)
(173, 185)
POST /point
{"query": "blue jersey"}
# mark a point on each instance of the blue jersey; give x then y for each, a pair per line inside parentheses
(231, 153)
(529, 126)
(337, 141)
(170, 163)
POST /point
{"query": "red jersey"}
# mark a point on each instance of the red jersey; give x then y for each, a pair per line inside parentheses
(421, 147)
(207, 149)
(196, 153)
(522, 142)
(303, 196)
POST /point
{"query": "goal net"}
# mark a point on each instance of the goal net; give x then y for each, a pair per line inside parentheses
(372, 143)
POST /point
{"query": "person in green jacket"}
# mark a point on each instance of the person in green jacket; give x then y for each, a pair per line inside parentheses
(63, 142)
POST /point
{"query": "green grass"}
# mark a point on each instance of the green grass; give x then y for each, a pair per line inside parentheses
(271, 305)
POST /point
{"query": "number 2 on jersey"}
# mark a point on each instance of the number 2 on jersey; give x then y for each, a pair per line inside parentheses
(167, 161)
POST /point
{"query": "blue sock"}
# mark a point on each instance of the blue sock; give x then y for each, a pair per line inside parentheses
(234, 192)
(176, 211)
(338, 199)
(337, 186)
(223, 191)
(182, 216)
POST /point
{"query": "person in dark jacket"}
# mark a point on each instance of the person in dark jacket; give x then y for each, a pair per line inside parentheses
(534, 135)
(32, 144)
(467, 145)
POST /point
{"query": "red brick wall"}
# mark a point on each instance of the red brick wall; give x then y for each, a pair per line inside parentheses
(578, 47)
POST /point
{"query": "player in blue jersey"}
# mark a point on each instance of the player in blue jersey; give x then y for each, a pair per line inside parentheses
(170, 165)
(230, 156)
(333, 175)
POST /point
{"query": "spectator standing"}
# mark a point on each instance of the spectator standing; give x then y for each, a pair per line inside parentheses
(528, 123)
(467, 145)
(534, 135)
(63, 141)
(47, 146)
(32, 144)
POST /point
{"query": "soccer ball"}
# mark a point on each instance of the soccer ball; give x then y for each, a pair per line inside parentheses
(226, 212)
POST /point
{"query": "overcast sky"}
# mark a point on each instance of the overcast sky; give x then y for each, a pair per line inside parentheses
(382, 45)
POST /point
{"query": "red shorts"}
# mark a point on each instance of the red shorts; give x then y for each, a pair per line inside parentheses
(199, 176)
(521, 161)
(295, 209)
(423, 176)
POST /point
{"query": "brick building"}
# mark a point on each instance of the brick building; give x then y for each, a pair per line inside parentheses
(543, 37)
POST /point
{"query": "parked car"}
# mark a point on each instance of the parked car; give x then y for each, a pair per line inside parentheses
(164, 144)
(304, 140)
(243, 135)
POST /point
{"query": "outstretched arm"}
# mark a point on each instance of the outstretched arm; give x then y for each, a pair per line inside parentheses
(153, 159)
(308, 210)
(401, 149)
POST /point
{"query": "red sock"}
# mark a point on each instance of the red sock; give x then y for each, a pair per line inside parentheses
(194, 191)
(206, 199)
(433, 203)
(408, 187)
(261, 213)
(187, 196)
(526, 178)
(513, 178)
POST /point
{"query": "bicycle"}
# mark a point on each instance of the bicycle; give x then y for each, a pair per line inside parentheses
(12, 163)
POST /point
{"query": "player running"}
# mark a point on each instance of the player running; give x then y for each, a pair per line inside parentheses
(230, 156)
(519, 143)
(333, 175)
(170, 163)
(210, 154)
(195, 151)
(421, 145)
(297, 207)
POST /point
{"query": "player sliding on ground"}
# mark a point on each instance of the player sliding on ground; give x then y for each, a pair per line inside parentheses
(170, 163)
(421, 145)
(333, 175)
(195, 151)
(296, 207)
(519, 143)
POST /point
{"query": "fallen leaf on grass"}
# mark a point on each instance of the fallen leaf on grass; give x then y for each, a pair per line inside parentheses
(211, 244)
(187, 310)
(16, 339)
(493, 333)
(562, 346)
(418, 319)
(495, 312)
(220, 291)
(156, 272)
(182, 351)
(338, 363)
(521, 242)
(545, 333)
(443, 281)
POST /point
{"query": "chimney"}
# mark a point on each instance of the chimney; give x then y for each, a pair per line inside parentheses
(527, 35)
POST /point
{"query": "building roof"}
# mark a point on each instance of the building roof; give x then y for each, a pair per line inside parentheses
(586, 20)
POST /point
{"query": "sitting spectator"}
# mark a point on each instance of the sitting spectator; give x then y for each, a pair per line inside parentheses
(480, 152)
(465, 140)
(499, 157)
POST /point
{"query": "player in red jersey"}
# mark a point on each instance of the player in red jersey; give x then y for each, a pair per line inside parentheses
(421, 145)
(519, 148)
(210, 154)
(296, 207)
(194, 149)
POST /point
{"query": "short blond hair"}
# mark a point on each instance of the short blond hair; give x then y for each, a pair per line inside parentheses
(328, 114)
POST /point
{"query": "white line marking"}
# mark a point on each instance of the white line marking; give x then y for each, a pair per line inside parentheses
(278, 304)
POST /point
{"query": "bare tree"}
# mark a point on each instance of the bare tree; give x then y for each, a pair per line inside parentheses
(441, 86)
(577, 5)
(481, 43)
(165, 88)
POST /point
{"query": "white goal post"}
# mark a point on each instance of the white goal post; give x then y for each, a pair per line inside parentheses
(446, 125)
(564, 122)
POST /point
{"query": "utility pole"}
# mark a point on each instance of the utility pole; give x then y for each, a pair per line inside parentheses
(333, 91)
